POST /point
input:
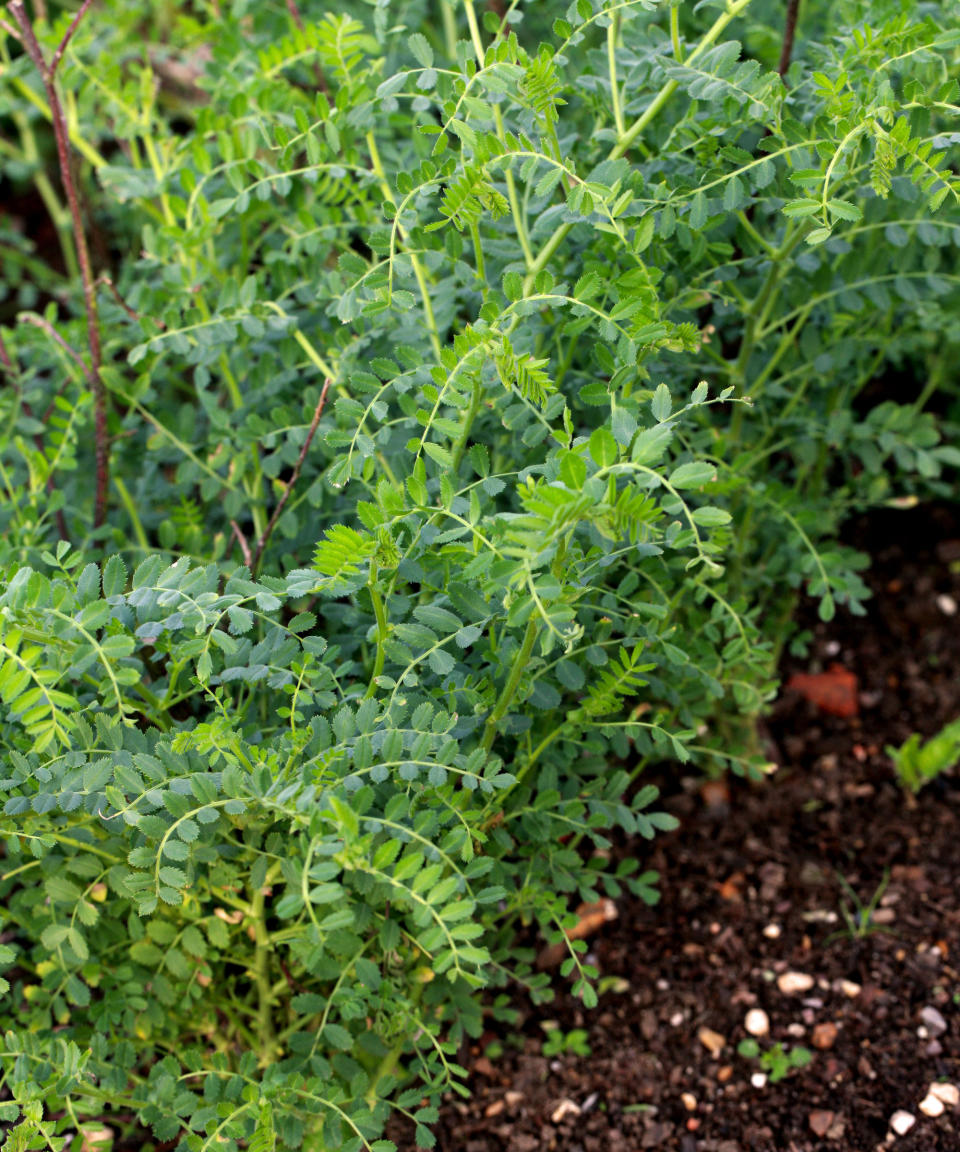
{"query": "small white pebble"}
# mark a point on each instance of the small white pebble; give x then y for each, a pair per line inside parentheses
(757, 1022)
(901, 1122)
(689, 1101)
(933, 1020)
(947, 605)
(790, 982)
(948, 1093)
(758, 1079)
(796, 1030)
(931, 1106)
(772, 931)
(849, 988)
(676, 1020)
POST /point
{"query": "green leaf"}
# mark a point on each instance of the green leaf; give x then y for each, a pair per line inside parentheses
(345, 816)
(419, 45)
(440, 455)
(603, 448)
(661, 405)
(693, 474)
(802, 207)
(651, 444)
(114, 577)
(843, 210)
(710, 517)
(264, 1138)
(697, 216)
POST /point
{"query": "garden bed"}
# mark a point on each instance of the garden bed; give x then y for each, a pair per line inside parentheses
(754, 892)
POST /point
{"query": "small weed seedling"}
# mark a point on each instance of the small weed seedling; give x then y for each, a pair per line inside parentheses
(857, 916)
(777, 1061)
(917, 764)
(559, 1043)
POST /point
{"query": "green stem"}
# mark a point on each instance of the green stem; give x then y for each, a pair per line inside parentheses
(613, 32)
(478, 255)
(934, 380)
(418, 269)
(675, 34)
(266, 1038)
(388, 1064)
(786, 341)
(380, 612)
(531, 760)
(474, 31)
(518, 219)
(749, 228)
(756, 314)
(449, 29)
(663, 96)
(127, 501)
(625, 141)
(159, 718)
(513, 199)
(513, 682)
(461, 445)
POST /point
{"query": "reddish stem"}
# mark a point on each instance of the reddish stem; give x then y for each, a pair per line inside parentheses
(112, 288)
(789, 32)
(268, 531)
(65, 159)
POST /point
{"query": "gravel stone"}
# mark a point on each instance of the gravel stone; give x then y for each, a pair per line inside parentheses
(757, 1022)
(901, 1122)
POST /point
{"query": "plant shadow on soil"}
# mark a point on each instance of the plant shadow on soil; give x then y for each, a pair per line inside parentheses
(756, 891)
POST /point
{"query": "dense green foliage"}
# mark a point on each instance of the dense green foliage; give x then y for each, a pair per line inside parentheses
(436, 425)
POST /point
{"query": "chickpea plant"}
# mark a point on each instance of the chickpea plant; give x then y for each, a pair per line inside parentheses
(416, 420)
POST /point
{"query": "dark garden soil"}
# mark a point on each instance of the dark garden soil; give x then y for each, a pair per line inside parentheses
(752, 893)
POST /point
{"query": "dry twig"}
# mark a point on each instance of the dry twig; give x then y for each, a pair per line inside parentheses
(268, 531)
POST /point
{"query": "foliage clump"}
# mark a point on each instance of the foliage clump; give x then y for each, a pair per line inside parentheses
(425, 418)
